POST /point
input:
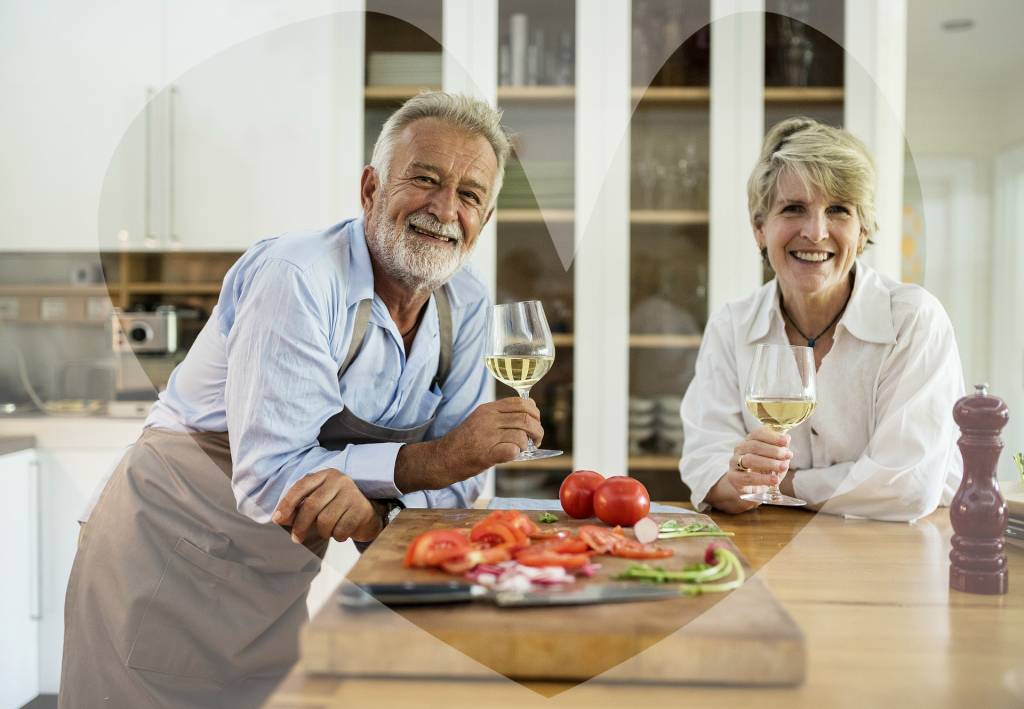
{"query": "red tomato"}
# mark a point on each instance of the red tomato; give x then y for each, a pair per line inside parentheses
(466, 562)
(515, 519)
(632, 549)
(577, 493)
(495, 533)
(601, 539)
(621, 500)
(435, 547)
(532, 556)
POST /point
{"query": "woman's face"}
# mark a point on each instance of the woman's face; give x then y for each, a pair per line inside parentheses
(812, 241)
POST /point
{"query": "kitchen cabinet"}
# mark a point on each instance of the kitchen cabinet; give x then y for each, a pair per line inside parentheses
(19, 597)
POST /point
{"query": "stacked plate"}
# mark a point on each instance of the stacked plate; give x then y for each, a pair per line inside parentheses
(670, 425)
(643, 416)
(548, 183)
(404, 69)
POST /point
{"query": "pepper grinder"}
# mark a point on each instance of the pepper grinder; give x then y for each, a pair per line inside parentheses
(978, 512)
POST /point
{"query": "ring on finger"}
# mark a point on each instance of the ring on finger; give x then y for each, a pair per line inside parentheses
(740, 465)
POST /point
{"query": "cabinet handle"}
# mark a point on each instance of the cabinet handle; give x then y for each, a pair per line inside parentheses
(147, 231)
(35, 546)
(175, 243)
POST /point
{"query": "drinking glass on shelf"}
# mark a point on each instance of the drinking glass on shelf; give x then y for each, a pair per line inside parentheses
(519, 352)
(780, 394)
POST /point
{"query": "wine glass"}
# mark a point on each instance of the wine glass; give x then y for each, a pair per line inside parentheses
(780, 394)
(519, 352)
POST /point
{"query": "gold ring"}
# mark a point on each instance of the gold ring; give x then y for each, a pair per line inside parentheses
(740, 465)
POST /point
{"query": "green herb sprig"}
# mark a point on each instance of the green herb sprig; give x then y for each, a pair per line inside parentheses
(547, 518)
(672, 529)
(1018, 458)
(694, 579)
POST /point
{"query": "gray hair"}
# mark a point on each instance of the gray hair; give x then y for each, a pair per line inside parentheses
(471, 115)
(828, 159)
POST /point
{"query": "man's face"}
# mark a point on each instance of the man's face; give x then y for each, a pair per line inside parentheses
(422, 225)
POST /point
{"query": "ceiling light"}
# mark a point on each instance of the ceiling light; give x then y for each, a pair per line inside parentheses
(961, 24)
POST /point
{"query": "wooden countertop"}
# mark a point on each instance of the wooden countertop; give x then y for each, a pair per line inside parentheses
(882, 628)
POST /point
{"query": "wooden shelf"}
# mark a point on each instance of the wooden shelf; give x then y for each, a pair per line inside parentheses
(563, 462)
(394, 93)
(685, 217)
(803, 94)
(536, 93)
(563, 339)
(534, 216)
(654, 462)
(158, 288)
(671, 94)
(58, 290)
(655, 341)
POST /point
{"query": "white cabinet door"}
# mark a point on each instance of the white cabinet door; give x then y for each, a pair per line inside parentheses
(68, 478)
(253, 123)
(19, 594)
(73, 77)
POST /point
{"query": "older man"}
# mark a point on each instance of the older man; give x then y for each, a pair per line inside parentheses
(339, 378)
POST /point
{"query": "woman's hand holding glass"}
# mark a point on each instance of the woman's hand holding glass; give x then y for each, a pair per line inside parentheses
(765, 455)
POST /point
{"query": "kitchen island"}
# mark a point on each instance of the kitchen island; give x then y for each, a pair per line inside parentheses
(882, 629)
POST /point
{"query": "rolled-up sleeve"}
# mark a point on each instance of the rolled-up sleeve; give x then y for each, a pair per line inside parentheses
(463, 391)
(711, 412)
(281, 385)
(902, 473)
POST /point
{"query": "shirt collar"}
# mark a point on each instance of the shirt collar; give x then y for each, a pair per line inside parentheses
(360, 272)
(868, 315)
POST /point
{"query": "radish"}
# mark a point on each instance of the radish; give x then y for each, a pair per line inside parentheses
(646, 530)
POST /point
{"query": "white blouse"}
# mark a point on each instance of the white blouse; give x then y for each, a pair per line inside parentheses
(881, 442)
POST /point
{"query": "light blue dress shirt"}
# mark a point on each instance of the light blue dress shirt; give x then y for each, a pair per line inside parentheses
(265, 369)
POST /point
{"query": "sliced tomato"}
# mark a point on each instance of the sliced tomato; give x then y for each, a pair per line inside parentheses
(534, 556)
(632, 549)
(496, 533)
(515, 519)
(552, 533)
(570, 545)
(435, 547)
(473, 557)
(600, 539)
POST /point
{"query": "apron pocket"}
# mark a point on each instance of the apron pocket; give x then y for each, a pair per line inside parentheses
(207, 614)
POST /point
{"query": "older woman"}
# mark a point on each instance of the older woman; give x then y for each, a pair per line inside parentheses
(881, 442)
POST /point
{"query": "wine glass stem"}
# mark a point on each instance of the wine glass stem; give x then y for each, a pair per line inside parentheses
(531, 446)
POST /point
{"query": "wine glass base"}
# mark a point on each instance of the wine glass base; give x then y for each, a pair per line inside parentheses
(538, 454)
(769, 498)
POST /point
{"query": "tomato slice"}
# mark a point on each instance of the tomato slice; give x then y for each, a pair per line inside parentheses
(537, 556)
(466, 562)
(553, 533)
(570, 545)
(600, 539)
(435, 547)
(515, 519)
(495, 533)
(632, 549)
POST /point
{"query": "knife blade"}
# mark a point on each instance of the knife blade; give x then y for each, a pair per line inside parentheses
(418, 593)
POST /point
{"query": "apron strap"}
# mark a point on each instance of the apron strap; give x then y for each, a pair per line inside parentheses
(358, 334)
(444, 322)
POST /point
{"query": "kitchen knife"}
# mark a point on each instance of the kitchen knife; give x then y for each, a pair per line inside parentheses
(414, 594)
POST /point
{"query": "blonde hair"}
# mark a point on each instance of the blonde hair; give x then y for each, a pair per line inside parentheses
(471, 115)
(826, 159)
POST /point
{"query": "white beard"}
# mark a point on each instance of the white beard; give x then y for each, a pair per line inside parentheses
(416, 264)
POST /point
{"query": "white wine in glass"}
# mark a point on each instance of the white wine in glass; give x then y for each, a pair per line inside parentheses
(780, 394)
(520, 350)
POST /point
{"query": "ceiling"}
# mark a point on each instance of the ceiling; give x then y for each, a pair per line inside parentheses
(988, 56)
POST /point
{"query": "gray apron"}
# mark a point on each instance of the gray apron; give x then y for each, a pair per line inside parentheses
(178, 600)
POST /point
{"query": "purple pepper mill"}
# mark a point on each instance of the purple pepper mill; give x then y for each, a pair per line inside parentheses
(978, 512)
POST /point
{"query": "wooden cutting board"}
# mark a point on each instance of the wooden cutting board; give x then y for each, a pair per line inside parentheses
(744, 637)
